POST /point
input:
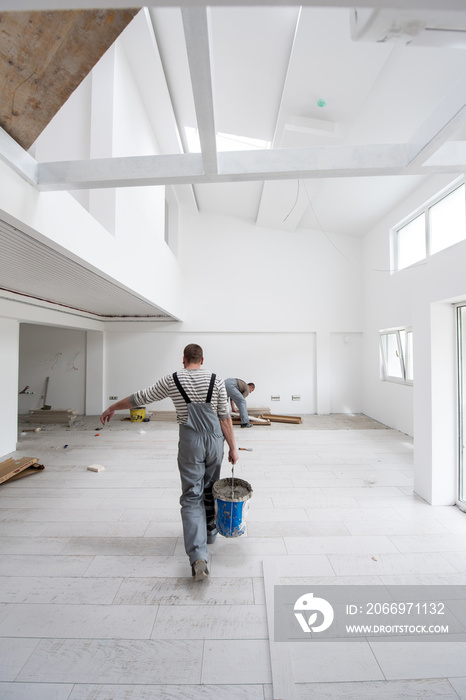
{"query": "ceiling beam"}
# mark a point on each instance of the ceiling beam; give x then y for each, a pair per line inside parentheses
(448, 116)
(336, 160)
(18, 5)
(196, 33)
(280, 164)
(237, 166)
(17, 158)
(132, 171)
(452, 153)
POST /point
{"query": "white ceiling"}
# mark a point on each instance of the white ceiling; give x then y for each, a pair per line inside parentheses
(270, 67)
(259, 72)
(394, 112)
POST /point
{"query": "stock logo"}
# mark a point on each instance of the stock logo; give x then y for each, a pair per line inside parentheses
(312, 606)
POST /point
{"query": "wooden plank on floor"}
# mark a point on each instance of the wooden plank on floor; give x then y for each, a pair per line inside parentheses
(29, 471)
(10, 467)
(275, 418)
(235, 417)
(57, 415)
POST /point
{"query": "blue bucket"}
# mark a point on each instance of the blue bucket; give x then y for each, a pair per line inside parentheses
(231, 505)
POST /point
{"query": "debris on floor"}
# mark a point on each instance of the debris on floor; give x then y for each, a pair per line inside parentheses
(275, 418)
(235, 417)
(258, 411)
(56, 415)
(12, 469)
(96, 468)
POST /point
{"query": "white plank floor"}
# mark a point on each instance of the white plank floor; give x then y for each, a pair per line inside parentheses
(96, 599)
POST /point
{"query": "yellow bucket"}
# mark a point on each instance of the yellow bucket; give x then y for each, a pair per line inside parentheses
(137, 415)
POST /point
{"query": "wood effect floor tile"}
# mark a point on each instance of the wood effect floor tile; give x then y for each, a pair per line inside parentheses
(32, 545)
(138, 566)
(459, 685)
(14, 653)
(79, 621)
(35, 691)
(145, 546)
(418, 689)
(420, 660)
(390, 564)
(165, 692)
(333, 661)
(110, 661)
(236, 661)
(59, 590)
(211, 622)
(45, 565)
(185, 591)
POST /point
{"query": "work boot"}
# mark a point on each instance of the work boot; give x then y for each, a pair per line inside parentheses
(246, 425)
(199, 570)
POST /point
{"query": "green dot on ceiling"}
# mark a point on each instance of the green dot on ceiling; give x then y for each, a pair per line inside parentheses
(321, 102)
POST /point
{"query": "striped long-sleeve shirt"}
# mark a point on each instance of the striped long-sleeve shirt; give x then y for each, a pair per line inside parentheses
(196, 384)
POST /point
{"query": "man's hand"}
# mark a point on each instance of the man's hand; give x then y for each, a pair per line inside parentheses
(106, 416)
(233, 456)
(118, 406)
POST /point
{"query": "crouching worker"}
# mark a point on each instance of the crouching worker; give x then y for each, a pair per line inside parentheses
(201, 406)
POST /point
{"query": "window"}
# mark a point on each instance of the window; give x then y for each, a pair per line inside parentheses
(225, 142)
(396, 354)
(447, 221)
(412, 242)
(440, 224)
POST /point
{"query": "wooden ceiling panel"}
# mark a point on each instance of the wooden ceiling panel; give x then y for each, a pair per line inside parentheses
(44, 56)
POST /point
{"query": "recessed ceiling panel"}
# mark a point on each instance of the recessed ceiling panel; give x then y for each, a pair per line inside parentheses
(31, 268)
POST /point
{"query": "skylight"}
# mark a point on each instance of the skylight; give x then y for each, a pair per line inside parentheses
(225, 142)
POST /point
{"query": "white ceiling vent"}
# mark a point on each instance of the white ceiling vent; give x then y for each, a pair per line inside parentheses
(414, 27)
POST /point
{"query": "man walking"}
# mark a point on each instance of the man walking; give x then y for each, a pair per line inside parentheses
(237, 391)
(201, 406)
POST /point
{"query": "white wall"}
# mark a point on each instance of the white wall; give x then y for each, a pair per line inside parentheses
(269, 307)
(57, 353)
(240, 277)
(9, 342)
(422, 297)
(67, 136)
(278, 363)
(346, 373)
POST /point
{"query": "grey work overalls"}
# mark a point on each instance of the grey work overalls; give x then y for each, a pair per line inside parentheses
(200, 454)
